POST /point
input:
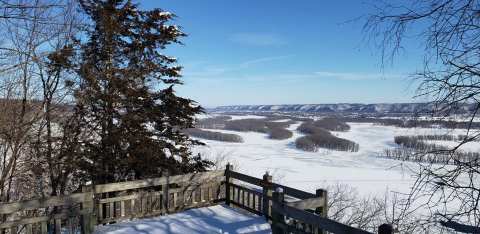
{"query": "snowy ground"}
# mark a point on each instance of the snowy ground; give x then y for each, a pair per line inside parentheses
(364, 170)
(466, 147)
(236, 117)
(214, 219)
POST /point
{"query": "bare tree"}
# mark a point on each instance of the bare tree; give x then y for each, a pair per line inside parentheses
(450, 32)
(33, 89)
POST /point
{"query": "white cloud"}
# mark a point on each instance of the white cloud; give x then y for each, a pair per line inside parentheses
(358, 76)
(264, 60)
(211, 71)
(258, 39)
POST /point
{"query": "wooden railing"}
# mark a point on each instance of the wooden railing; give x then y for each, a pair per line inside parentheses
(49, 214)
(289, 210)
(110, 203)
(157, 196)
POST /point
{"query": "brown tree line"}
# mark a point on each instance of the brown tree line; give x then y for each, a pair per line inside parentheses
(414, 148)
(414, 123)
(211, 135)
(319, 136)
(275, 130)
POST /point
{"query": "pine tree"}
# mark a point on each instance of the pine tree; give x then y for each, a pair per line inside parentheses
(126, 95)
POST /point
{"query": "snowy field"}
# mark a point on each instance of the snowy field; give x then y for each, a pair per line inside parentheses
(213, 219)
(363, 170)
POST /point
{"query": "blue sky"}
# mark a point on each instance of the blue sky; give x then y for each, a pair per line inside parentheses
(284, 52)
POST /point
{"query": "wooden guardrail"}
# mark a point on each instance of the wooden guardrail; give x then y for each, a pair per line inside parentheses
(49, 214)
(109, 203)
(289, 210)
(157, 196)
(287, 215)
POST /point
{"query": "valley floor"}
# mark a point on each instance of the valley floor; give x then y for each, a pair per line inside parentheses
(364, 170)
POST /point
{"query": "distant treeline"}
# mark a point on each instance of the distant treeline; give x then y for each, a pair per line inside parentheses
(414, 148)
(275, 130)
(415, 123)
(330, 123)
(444, 137)
(216, 136)
(217, 122)
(319, 136)
(279, 133)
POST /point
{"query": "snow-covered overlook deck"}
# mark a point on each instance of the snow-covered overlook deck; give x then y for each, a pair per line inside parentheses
(220, 201)
(213, 219)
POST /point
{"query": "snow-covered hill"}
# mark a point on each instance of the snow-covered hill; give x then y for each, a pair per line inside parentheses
(379, 108)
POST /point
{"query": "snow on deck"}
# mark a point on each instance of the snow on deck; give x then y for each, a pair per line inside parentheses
(213, 219)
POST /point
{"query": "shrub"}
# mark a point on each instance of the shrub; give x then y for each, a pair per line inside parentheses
(246, 125)
(216, 136)
(328, 141)
(280, 133)
(276, 130)
(217, 122)
(309, 128)
(414, 148)
(304, 143)
(319, 136)
(272, 125)
(332, 124)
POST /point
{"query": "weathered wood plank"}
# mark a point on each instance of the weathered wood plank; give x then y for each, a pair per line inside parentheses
(29, 228)
(191, 178)
(290, 228)
(58, 225)
(41, 219)
(278, 217)
(258, 193)
(246, 208)
(7, 208)
(228, 181)
(100, 212)
(293, 192)
(246, 178)
(460, 227)
(44, 228)
(309, 203)
(117, 199)
(111, 209)
(321, 222)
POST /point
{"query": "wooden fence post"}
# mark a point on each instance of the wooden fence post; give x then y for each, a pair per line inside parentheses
(227, 184)
(278, 218)
(267, 192)
(88, 219)
(323, 210)
(385, 229)
(166, 196)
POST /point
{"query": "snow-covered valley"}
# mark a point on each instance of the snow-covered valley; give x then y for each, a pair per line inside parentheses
(364, 170)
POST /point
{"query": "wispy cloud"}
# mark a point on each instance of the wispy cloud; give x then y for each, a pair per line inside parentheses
(264, 60)
(211, 71)
(230, 74)
(258, 39)
(357, 76)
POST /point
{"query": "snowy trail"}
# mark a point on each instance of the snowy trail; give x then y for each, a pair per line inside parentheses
(364, 170)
